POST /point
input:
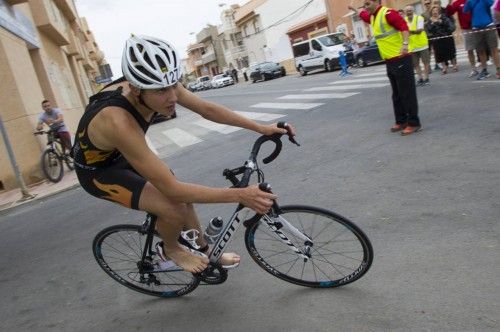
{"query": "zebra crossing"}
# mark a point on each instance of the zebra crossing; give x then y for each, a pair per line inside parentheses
(190, 129)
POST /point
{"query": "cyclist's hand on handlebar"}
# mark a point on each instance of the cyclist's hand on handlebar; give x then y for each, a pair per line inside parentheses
(271, 129)
(256, 199)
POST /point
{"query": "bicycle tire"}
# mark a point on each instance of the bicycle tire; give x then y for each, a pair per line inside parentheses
(118, 251)
(69, 163)
(341, 252)
(52, 165)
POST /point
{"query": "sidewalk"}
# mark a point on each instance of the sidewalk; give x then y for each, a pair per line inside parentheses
(12, 198)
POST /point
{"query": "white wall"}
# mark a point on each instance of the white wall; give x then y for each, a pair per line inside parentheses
(277, 42)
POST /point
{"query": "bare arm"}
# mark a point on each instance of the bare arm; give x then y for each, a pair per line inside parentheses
(220, 114)
(121, 131)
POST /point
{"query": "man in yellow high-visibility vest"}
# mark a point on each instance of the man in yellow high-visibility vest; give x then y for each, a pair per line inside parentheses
(392, 36)
(419, 45)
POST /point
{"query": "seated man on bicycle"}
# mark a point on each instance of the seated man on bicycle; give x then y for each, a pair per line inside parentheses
(113, 161)
(53, 118)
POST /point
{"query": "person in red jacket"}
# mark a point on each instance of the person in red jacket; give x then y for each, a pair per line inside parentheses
(391, 33)
(464, 19)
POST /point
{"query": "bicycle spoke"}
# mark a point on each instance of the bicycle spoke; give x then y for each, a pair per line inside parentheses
(337, 254)
(119, 251)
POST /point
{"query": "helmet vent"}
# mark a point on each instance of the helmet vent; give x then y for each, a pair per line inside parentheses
(148, 60)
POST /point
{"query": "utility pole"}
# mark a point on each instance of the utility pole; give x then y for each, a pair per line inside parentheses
(24, 189)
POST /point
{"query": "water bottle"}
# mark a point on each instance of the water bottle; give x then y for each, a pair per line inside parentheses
(213, 230)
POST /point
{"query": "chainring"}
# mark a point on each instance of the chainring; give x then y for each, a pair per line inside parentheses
(214, 274)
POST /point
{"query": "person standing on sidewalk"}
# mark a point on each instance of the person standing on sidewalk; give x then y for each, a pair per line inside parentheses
(419, 45)
(53, 117)
(392, 36)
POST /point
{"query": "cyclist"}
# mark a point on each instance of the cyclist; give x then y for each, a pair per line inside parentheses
(113, 161)
(53, 118)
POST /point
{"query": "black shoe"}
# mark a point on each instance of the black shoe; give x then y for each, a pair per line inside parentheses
(426, 81)
(420, 82)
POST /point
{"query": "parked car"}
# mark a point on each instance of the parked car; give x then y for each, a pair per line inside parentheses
(266, 71)
(319, 53)
(204, 83)
(368, 54)
(222, 80)
(193, 86)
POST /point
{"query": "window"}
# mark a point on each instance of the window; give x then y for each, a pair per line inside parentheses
(300, 49)
(316, 46)
(332, 40)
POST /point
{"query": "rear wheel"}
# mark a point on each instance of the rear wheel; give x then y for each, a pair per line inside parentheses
(340, 252)
(118, 250)
(52, 165)
(361, 62)
(329, 65)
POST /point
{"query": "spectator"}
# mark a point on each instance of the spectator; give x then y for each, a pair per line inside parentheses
(484, 36)
(53, 117)
(419, 45)
(496, 15)
(444, 45)
(392, 36)
(245, 75)
(427, 15)
(234, 73)
(465, 21)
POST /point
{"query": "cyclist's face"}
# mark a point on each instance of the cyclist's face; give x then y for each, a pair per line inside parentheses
(161, 100)
(46, 107)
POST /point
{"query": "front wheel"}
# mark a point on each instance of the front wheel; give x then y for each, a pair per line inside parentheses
(329, 65)
(52, 165)
(119, 250)
(340, 252)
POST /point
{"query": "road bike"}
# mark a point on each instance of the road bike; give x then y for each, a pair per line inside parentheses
(53, 156)
(303, 245)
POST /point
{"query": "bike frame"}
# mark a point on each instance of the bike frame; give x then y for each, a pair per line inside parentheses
(273, 220)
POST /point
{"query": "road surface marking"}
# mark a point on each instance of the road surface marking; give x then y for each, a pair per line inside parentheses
(181, 137)
(298, 106)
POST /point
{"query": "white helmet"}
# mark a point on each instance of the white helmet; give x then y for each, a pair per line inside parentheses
(150, 63)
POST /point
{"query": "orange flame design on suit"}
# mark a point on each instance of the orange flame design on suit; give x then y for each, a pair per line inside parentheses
(116, 193)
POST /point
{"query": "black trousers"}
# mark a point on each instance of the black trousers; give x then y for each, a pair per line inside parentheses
(404, 91)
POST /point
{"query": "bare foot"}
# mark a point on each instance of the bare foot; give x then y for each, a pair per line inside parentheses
(187, 260)
(229, 258)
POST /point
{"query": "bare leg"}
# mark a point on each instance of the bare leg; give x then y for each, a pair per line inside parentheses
(445, 68)
(496, 60)
(192, 222)
(472, 59)
(483, 58)
(418, 70)
(171, 221)
(174, 217)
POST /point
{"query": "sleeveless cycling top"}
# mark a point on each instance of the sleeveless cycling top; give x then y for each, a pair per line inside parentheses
(85, 154)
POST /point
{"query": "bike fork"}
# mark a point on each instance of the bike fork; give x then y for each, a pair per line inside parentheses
(276, 223)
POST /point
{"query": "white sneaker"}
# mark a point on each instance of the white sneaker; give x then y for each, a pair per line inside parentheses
(473, 73)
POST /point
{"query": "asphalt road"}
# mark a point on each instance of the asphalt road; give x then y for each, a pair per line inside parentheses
(429, 203)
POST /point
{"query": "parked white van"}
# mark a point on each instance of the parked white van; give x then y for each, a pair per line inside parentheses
(318, 53)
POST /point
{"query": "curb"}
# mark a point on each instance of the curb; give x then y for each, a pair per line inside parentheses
(11, 205)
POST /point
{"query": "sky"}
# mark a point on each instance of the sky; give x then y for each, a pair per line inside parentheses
(112, 22)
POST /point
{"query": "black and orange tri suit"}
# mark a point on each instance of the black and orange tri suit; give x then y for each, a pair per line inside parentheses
(107, 174)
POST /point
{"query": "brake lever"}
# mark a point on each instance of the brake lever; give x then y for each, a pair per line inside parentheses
(291, 138)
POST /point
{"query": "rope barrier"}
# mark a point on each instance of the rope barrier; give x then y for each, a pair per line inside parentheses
(464, 33)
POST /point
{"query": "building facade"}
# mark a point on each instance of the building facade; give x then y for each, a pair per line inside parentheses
(46, 52)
